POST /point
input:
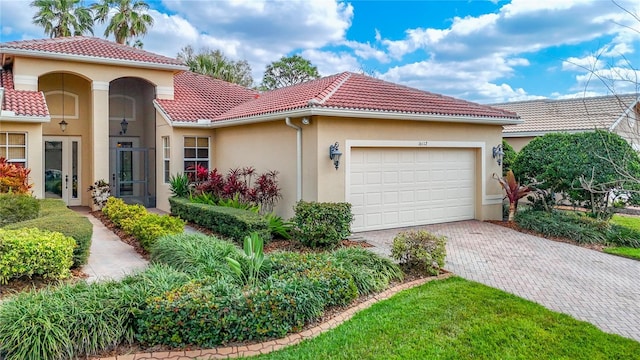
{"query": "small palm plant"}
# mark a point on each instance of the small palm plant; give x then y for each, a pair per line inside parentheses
(179, 185)
(254, 254)
(514, 191)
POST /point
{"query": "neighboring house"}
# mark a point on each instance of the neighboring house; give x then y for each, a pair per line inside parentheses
(615, 113)
(409, 157)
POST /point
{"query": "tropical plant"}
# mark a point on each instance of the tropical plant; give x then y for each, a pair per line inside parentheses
(100, 192)
(278, 226)
(254, 254)
(288, 71)
(514, 191)
(130, 20)
(179, 185)
(14, 178)
(215, 64)
(63, 17)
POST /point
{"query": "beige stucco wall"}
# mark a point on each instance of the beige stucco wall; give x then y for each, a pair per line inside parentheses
(517, 143)
(34, 151)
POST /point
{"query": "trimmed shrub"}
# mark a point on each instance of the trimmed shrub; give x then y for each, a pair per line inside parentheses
(226, 221)
(195, 254)
(322, 224)
(55, 216)
(75, 321)
(28, 252)
(117, 210)
(149, 227)
(17, 207)
(420, 249)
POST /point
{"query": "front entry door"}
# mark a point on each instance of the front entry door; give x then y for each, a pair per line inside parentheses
(62, 175)
(129, 170)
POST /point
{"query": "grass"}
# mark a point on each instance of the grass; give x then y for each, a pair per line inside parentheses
(631, 222)
(458, 319)
(632, 253)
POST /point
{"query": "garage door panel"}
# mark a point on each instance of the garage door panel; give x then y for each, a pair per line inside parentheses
(407, 186)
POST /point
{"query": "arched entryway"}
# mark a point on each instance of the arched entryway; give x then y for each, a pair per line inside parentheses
(132, 136)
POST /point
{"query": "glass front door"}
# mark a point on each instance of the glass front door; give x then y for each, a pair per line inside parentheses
(129, 171)
(62, 176)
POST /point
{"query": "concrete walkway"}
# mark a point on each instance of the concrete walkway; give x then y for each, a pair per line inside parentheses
(110, 258)
(595, 287)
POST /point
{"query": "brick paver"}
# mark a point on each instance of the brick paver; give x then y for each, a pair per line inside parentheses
(595, 287)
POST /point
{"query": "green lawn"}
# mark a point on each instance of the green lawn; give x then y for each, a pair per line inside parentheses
(632, 222)
(633, 253)
(458, 319)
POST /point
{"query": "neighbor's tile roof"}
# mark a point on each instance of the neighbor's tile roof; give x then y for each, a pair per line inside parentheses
(21, 102)
(87, 47)
(568, 115)
(201, 97)
(350, 91)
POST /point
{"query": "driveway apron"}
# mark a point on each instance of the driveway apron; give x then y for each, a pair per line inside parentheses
(589, 285)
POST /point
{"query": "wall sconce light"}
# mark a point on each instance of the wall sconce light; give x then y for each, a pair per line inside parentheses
(305, 121)
(334, 154)
(498, 154)
(124, 124)
(63, 125)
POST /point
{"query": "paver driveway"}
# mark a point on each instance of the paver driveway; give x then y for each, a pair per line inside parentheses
(599, 288)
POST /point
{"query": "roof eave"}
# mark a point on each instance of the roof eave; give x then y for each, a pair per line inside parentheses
(92, 59)
(6, 115)
(515, 134)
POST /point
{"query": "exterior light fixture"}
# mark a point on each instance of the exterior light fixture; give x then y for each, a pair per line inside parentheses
(124, 124)
(305, 121)
(63, 125)
(498, 154)
(334, 154)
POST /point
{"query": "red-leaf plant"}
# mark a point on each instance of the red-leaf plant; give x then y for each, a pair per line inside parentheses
(514, 191)
(14, 178)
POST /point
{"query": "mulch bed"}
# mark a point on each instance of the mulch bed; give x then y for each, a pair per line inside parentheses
(514, 226)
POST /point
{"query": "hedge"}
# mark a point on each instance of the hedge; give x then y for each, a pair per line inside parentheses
(226, 221)
(17, 207)
(55, 216)
(322, 224)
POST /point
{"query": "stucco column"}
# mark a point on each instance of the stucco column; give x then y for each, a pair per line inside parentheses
(100, 131)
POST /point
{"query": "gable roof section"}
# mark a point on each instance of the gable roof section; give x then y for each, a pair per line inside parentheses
(20, 104)
(201, 97)
(350, 94)
(570, 115)
(90, 49)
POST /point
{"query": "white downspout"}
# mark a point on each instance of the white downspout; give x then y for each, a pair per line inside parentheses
(287, 121)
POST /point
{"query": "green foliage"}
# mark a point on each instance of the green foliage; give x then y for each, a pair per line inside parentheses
(565, 224)
(619, 235)
(254, 260)
(63, 18)
(371, 273)
(629, 252)
(117, 210)
(17, 207)
(28, 252)
(509, 157)
(234, 202)
(278, 227)
(420, 249)
(288, 71)
(179, 185)
(322, 224)
(149, 227)
(130, 20)
(585, 167)
(231, 222)
(55, 216)
(74, 321)
(215, 64)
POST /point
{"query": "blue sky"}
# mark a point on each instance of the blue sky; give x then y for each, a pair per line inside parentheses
(479, 50)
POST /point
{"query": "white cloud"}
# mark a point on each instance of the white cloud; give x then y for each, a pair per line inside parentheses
(329, 63)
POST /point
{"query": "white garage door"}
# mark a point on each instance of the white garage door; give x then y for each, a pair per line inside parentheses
(396, 187)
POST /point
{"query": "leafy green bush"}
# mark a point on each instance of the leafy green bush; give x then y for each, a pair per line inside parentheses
(17, 207)
(226, 221)
(149, 227)
(179, 185)
(27, 252)
(564, 224)
(509, 157)
(196, 254)
(278, 227)
(55, 216)
(371, 273)
(220, 313)
(322, 224)
(74, 321)
(420, 249)
(116, 210)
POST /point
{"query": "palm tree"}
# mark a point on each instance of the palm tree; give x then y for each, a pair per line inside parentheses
(63, 17)
(129, 21)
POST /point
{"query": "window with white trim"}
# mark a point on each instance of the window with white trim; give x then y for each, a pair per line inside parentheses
(13, 147)
(196, 152)
(166, 158)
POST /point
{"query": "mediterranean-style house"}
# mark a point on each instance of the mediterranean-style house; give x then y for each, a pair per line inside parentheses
(80, 109)
(615, 113)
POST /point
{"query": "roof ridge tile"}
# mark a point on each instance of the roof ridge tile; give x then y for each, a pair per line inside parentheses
(331, 89)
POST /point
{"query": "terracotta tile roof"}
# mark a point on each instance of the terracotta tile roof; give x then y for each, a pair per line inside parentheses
(86, 48)
(568, 115)
(201, 97)
(21, 102)
(350, 91)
